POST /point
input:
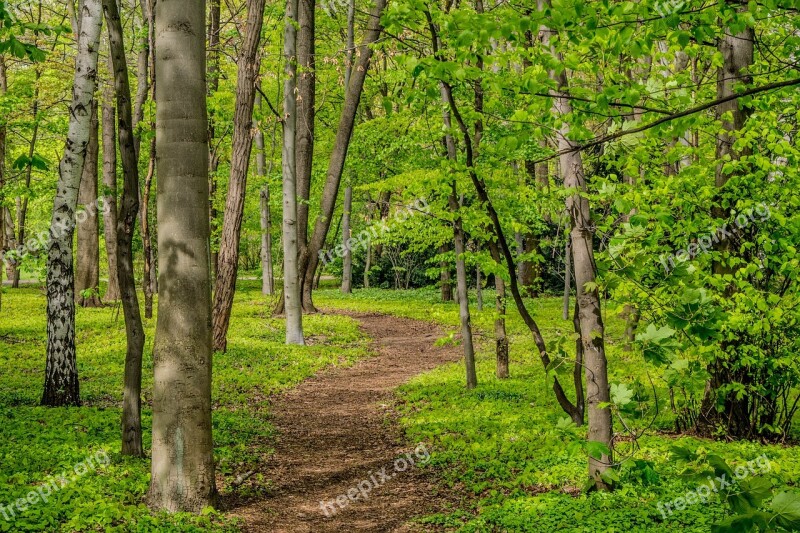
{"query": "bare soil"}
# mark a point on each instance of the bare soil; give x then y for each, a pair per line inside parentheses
(337, 430)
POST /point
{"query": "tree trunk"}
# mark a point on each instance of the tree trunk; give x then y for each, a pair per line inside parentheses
(4, 244)
(132, 391)
(149, 274)
(214, 16)
(592, 332)
(183, 461)
(291, 270)
(87, 274)
(306, 102)
(61, 371)
(267, 275)
(110, 196)
(737, 53)
(347, 271)
(310, 259)
(460, 249)
(567, 279)
(241, 150)
(147, 239)
(500, 336)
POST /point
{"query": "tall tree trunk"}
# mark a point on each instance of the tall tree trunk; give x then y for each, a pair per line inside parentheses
(110, 196)
(241, 149)
(4, 244)
(592, 331)
(347, 270)
(61, 371)
(149, 274)
(460, 248)
(267, 275)
(344, 132)
(183, 461)
(214, 16)
(132, 391)
(737, 52)
(291, 270)
(87, 272)
(306, 102)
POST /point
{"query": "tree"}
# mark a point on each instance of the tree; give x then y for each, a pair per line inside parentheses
(131, 399)
(61, 371)
(291, 270)
(110, 192)
(228, 259)
(87, 278)
(183, 462)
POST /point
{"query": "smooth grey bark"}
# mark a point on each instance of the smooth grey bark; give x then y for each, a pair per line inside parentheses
(267, 274)
(291, 271)
(87, 271)
(344, 132)
(110, 193)
(150, 271)
(592, 330)
(131, 422)
(567, 278)
(460, 248)
(241, 149)
(183, 462)
(61, 371)
(347, 270)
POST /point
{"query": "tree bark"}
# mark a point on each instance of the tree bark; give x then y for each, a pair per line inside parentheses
(592, 332)
(183, 462)
(347, 271)
(267, 275)
(110, 195)
(310, 260)
(500, 336)
(306, 102)
(4, 244)
(241, 150)
(132, 391)
(87, 275)
(61, 371)
(737, 52)
(214, 16)
(291, 270)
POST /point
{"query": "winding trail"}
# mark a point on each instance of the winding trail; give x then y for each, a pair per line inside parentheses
(336, 431)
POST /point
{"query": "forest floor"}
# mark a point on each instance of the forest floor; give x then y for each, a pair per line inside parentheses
(337, 436)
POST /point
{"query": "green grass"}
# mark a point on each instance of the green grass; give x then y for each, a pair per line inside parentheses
(39, 442)
(503, 445)
(500, 443)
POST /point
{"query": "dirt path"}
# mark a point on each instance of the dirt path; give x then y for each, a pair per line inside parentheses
(334, 437)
